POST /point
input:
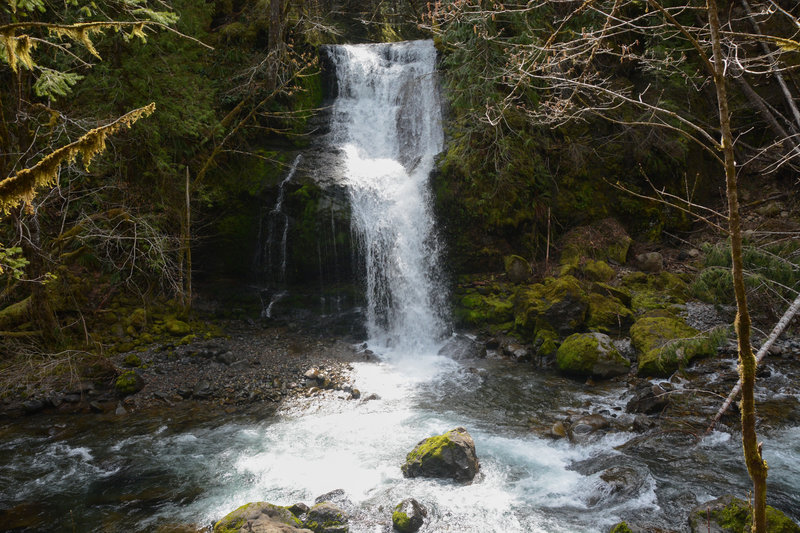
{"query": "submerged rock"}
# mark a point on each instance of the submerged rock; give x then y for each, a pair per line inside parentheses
(451, 455)
(408, 516)
(729, 514)
(591, 354)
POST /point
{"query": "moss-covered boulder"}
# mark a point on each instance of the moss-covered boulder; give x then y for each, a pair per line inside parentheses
(325, 517)
(591, 354)
(493, 311)
(137, 320)
(558, 304)
(663, 290)
(176, 327)
(598, 271)
(132, 360)
(608, 315)
(665, 343)
(128, 383)
(260, 516)
(408, 516)
(620, 293)
(732, 515)
(451, 455)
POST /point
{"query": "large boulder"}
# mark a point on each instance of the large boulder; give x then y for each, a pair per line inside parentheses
(451, 455)
(408, 516)
(261, 517)
(591, 354)
(666, 343)
(732, 515)
(558, 304)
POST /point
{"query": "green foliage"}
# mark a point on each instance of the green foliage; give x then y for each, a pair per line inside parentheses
(772, 271)
(12, 263)
(53, 83)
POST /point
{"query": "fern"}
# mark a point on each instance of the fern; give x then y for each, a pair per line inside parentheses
(53, 83)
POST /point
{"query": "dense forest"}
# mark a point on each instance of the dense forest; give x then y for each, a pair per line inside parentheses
(604, 161)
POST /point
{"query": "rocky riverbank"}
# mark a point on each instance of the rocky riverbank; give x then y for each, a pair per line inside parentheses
(250, 363)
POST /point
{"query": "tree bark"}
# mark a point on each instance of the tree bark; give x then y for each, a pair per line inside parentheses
(756, 466)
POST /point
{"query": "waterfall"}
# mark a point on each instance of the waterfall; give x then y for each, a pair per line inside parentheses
(277, 221)
(386, 121)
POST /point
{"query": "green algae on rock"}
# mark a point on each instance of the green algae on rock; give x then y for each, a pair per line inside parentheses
(260, 516)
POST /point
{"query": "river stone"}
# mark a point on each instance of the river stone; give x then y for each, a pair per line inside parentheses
(591, 354)
(729, 514)
(260, 517)
(326, 518)
(451, 455)
(408, 516)
(558, 304)
(460, 347)
(650, 262)
(648, 398)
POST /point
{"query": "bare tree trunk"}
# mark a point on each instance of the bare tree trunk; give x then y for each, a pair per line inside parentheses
(756, 466)
(187, 244)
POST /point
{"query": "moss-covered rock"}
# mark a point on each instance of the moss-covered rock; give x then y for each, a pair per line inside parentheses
(665, 343)
(545, 342)
(260, 516)
(732, 515)
(620, 293)
(128, 383)
(325, 517)
(608, 315)
(558, 304)
(408, 516)
(492, 311)
(176, 327)
(663, 290)
(591, 354)
(137, 319)
(451, 455)
(622, 527)
(132, 360)
(598, 271)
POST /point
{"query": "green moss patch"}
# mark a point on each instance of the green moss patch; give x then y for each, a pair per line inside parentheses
(666, 344)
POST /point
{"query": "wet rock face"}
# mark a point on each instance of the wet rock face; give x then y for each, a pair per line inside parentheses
(451, 455)
(648, 398)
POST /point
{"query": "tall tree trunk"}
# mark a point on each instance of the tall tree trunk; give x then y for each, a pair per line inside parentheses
(756, 466)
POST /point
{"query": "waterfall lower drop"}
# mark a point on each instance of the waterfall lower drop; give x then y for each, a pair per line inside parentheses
(275, 218)
(387, 122)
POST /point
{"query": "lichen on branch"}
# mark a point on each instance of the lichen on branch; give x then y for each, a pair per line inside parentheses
(21, 186)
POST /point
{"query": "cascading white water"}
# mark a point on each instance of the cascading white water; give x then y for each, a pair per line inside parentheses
(387, 122)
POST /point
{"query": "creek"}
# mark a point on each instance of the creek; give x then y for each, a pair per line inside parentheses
(194, 465)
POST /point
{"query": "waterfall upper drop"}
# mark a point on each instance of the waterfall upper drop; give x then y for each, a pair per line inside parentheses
(386, 121)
